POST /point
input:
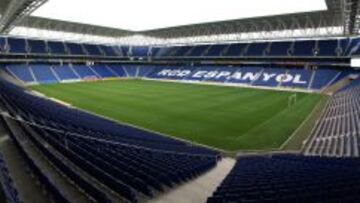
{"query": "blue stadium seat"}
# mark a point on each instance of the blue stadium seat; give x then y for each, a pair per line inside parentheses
(37, 47)
(85, 72)
(304, 48)
(198, 51)
(65, 73)
(22, 72)
(256, 49)
(178, 51)
(108, 50)
(269, 82)
(130, 70)
(290, 178)
(344, 45)
(92, 50)
(130, 161)
(140, 51)
(216, 50)
(352, 47)
(17, 46)
(122, 51)
(103, 71)
(75, 49)
(2, 44)
(324, 77)
(43, 74)
(57, 48)
(328, 48)
(304, 80)
(118, 70)
(235, 50)
(280, 49)
(336, 131)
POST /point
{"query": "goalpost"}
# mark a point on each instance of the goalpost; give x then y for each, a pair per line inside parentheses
(292, 100)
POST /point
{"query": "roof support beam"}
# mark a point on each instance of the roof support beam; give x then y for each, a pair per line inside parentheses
(17, 10)
(351, 17)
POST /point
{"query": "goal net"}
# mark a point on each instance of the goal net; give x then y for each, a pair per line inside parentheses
(292, 100)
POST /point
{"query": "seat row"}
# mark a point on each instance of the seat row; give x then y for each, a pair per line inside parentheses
(129, 162)
(297, 48)
(10, 45)
(337, 47)
(337, 131)
(290, 178)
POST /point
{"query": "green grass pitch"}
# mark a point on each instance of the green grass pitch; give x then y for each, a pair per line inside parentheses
(227, 118)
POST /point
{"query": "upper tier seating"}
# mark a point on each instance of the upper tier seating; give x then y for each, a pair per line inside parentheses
(2, 44)
(178, 51)
(337, 132)
(140, 51)
(290, 179)
(130, 162)
(37, 47)
(17, 46)
(75, 49)
(280, 48)
(304, 48)
(344, 47)
(198, 51)
(57, 48)
(352, 46)
(93, 50)
(256, 49)
(215, 50)
(122, 51)
(234, 50)
(328, 48)
(108, 51)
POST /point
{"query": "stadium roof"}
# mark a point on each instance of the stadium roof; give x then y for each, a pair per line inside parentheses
(157, 14)
(341, 18)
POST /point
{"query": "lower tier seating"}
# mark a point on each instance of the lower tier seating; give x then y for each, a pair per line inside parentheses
(253, 76)
(291, 179)
(275, 77)
(337, 131)
(129, 162)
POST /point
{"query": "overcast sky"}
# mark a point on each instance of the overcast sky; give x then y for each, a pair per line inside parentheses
(139, 15)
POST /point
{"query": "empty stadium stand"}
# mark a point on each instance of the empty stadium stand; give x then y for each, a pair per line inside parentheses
(290, 178)
(327, 48)
(129, 162)
(285, 49)
(68, 155)
(300, 78)
(253, 76)
(337, 132)
(110, 162)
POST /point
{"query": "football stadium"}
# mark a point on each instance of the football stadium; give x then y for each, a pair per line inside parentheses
(179, 102)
